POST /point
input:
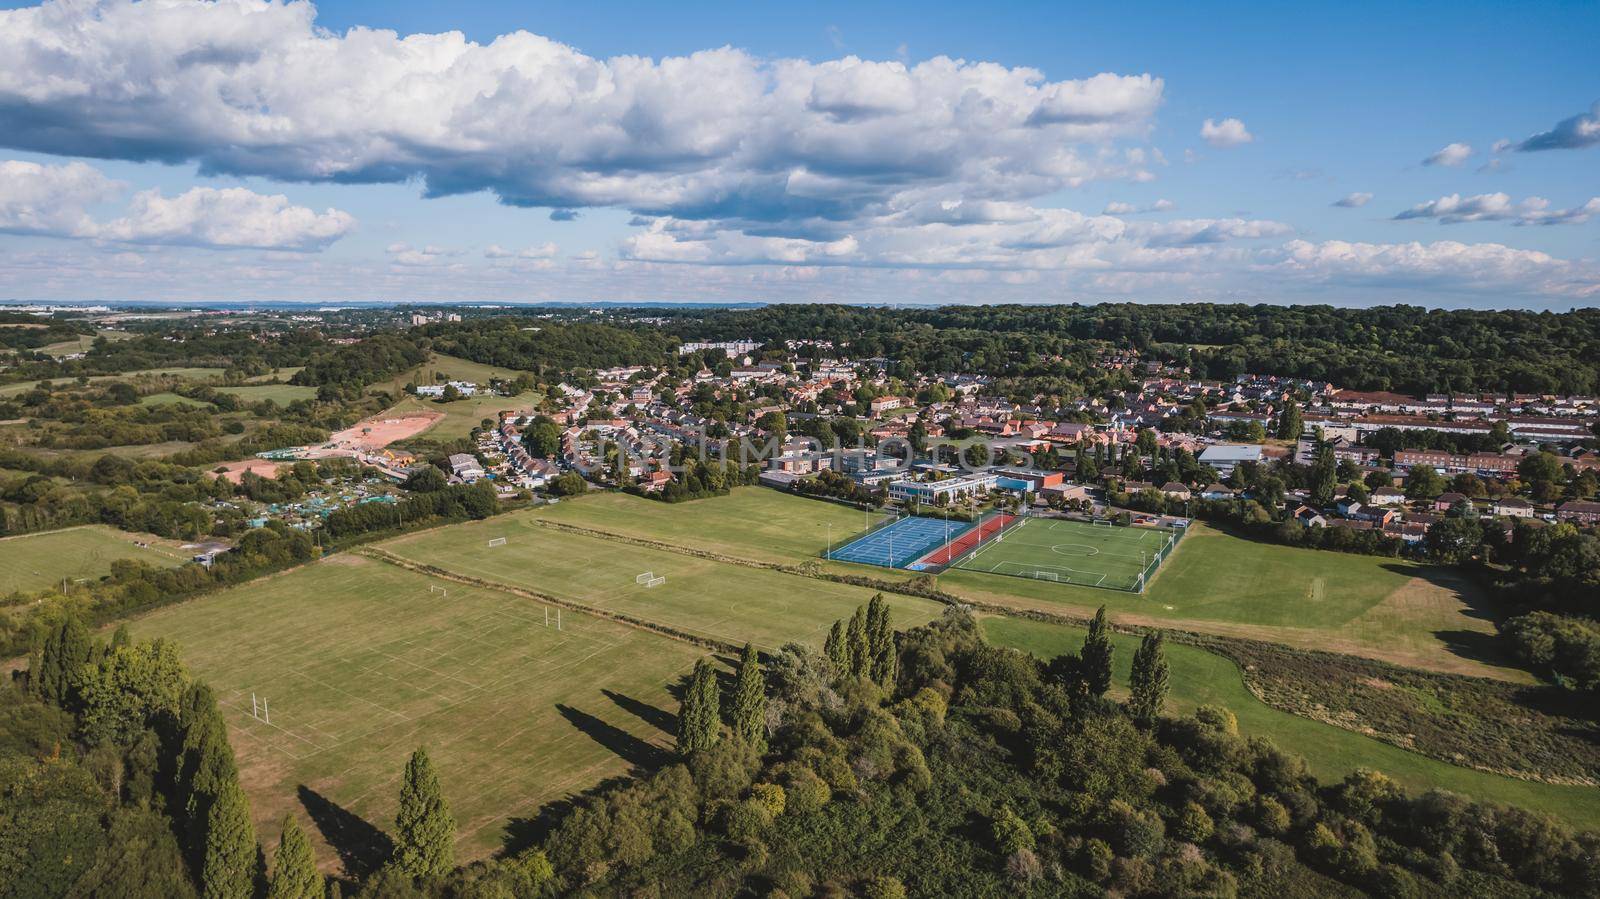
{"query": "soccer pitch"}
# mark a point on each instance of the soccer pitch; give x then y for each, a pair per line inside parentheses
(1073, 552)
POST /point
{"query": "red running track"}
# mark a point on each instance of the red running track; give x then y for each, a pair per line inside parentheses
(958, 547)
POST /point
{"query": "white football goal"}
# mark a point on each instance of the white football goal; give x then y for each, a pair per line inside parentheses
(655, 582)
(435, 588)
(498, 541)
(644, 578)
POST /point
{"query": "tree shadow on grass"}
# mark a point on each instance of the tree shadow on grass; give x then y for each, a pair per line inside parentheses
(1477, 646)
(524, 833)
(626, 746)
(362, 848)
(662, 720)
(1476, 600)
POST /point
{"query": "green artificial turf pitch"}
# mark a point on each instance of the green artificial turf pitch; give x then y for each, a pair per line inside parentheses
(1072, 552)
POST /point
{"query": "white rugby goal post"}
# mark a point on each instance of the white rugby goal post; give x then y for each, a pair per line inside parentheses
(644, 578)
(498, 541)
(259, 709)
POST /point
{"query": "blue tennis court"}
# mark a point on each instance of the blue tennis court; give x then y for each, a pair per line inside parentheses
(898, 545)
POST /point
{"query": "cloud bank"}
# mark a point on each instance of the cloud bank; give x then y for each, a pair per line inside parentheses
(1497, 207)
(54, 201)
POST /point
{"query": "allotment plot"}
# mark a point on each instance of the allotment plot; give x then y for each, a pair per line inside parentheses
(1074, 552)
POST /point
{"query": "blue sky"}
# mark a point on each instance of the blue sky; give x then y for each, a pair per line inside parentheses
(831, 151)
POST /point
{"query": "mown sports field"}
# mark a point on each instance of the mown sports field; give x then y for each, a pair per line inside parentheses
(360, 662)
(363, 659)
(35, 561)
(1072, 552)
(1396, 610)
(704, 597)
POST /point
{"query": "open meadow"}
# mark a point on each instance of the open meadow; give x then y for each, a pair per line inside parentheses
(36, 561)
(361, 662)
(1199, 677)
(282, 394)
(758, 524)
(707, 598)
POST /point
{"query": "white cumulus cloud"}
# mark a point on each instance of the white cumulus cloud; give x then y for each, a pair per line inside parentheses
(51, 199)
(1353, 201)
(1119, 208)
(255, 87)
(55, 201)
(1443, 264)
(227, 217)
(1449, 155)
(1226, 133)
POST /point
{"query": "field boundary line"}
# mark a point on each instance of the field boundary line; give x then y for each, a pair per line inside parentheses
(382, 555)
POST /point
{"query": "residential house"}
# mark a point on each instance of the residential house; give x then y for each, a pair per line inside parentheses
(1580, 511)
(1512, 507)
(1175, 490)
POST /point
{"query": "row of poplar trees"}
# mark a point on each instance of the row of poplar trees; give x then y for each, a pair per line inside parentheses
(863, 648)
(1090, 670)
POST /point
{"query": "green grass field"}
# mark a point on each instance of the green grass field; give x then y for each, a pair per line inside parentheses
(1071, 552)
(168, 398)
(759, 524)
(36, 561)
(441, 367)
(1199, 677)
(282, 394)
(361, 662)
(703, 597)
(1391, 609)
(186, 374)
(461, 416)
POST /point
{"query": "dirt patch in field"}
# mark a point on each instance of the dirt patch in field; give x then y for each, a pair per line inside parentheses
(234, 471)
(374, 434)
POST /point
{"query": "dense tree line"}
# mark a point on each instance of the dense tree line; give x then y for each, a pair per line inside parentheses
(456, 501)
(828, 482)
(549, 348)
(355, 365)
(241, 351)
(1403, 348)
(1550, 574)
